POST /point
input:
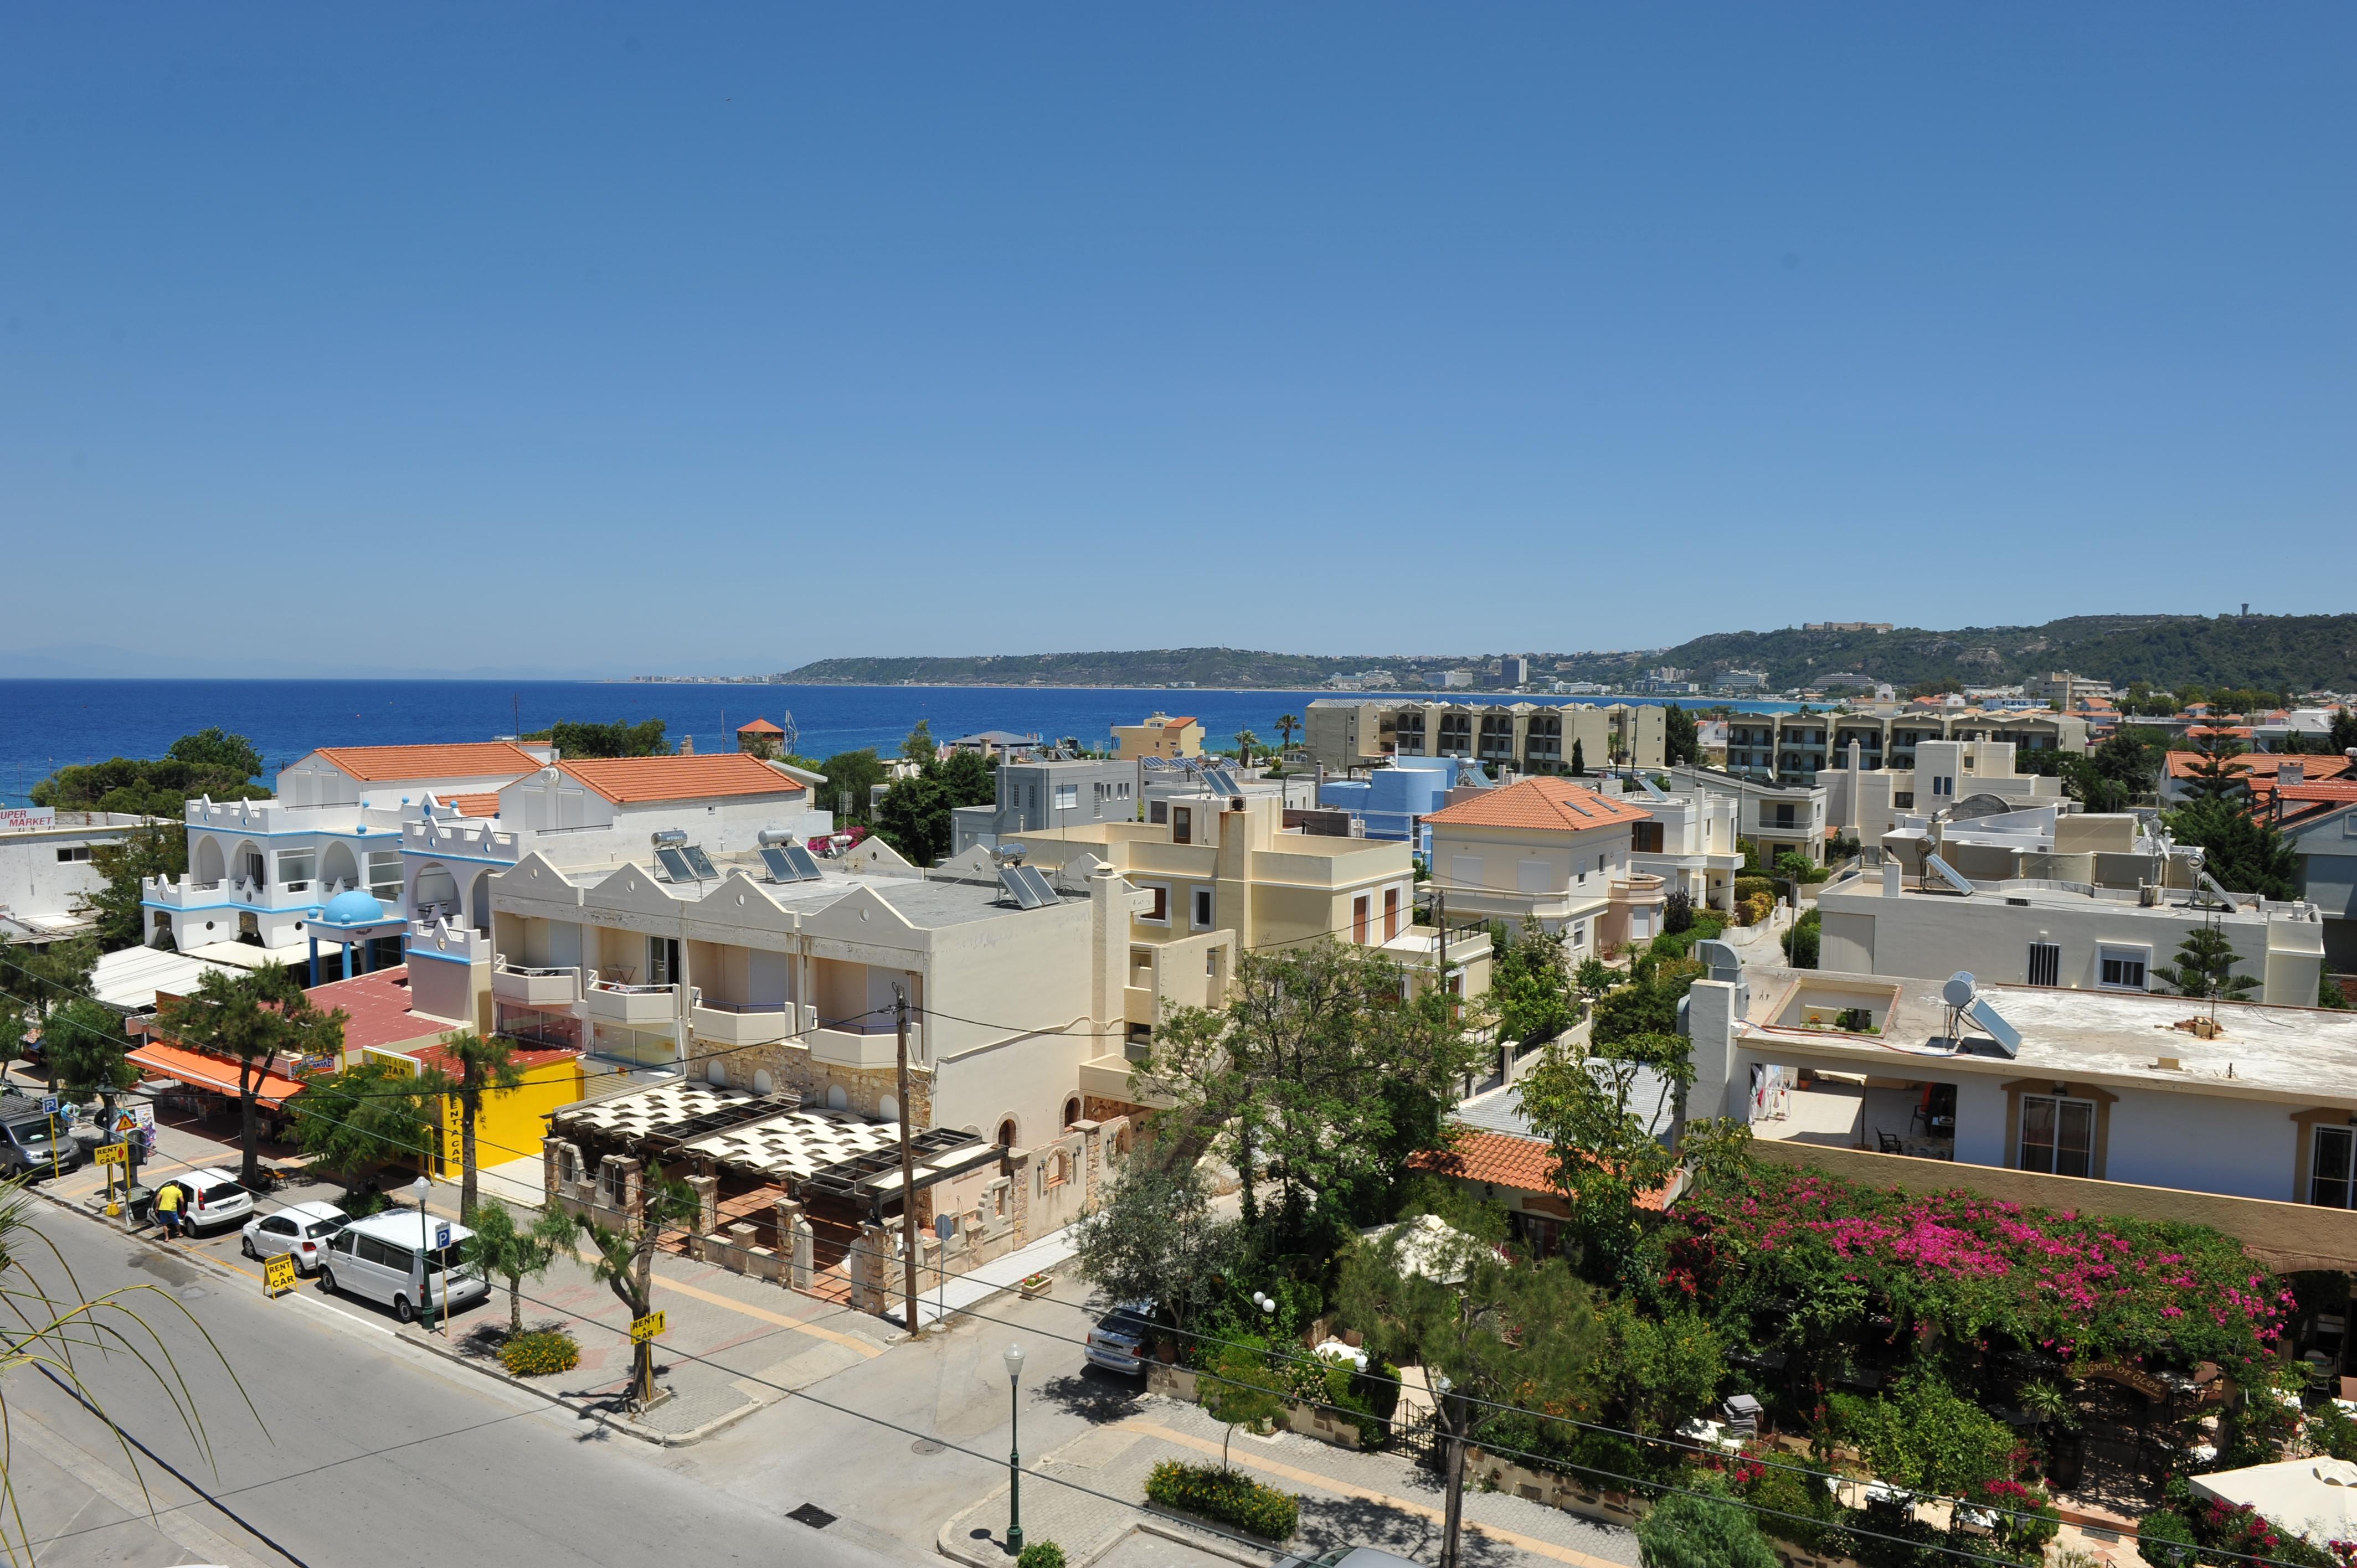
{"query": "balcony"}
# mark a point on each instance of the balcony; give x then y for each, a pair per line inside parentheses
(633, 1007)
(878, 1047)
(531, 986)
(740, 1023)
(474, 840)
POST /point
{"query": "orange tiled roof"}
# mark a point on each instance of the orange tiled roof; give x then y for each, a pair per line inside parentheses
(629, 779)
(1179, 722)
(484, 804)
(759, 727)
(464, 759)
(1525, 1164)
(1546, 803)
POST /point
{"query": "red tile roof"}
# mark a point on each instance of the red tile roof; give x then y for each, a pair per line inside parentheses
(1555, 804)
(627, 780)
(759, 727)
(485, 804)
(1525, 1164)
(524, 1057)
(1178, 724)
(376, 1008)
(465, 759)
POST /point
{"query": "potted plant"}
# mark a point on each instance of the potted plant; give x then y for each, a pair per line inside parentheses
(1037, 1285)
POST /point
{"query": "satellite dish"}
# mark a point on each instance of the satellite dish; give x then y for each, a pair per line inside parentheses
(1961, 989)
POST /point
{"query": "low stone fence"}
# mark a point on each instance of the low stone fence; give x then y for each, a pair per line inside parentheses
(1339, 1428)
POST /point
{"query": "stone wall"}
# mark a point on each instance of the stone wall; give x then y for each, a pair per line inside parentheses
(790, 1065)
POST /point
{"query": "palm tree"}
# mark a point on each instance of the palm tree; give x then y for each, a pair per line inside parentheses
(498, 1246)
(482, 1064)
(1245, 741)
(1287, 726)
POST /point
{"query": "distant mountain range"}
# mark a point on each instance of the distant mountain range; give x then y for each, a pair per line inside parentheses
(2292, 653)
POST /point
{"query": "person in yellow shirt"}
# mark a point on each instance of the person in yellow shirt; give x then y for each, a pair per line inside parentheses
(167, 1209)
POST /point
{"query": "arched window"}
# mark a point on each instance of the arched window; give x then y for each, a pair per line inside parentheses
(1072, 1110)
(837, 1099)
(762, 1083)
(715, 1072)
(1006, 1133)
(887, 1109)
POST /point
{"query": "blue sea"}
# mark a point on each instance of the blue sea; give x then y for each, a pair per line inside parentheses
(45, 724)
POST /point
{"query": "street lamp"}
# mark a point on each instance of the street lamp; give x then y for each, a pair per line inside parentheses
(419, 1190)
(1014, 1452)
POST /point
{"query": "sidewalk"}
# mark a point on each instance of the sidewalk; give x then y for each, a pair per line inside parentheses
(1349, 1498)
(769, 1340)
(955, 1295)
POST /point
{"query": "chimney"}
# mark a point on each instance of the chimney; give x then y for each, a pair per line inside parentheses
(2289, 773)
(687, 746)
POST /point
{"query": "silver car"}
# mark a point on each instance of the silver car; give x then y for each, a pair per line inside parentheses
(1118, 1342)
(302, 1230)
(27, 1146)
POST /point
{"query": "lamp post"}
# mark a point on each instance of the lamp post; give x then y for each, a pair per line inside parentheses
(1014, 1452)
(418, 1189)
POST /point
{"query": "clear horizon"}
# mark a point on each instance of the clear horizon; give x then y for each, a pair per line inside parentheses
(600, 341)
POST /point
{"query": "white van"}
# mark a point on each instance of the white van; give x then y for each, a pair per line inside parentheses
(378, 1259)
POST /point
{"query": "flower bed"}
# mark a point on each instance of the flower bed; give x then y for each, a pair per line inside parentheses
(537, 1354)
(1224, 1497)
(2076, 1285)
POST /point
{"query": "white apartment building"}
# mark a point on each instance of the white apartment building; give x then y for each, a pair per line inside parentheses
(745, 981)
(1779, 818)
(1941, 776)
(394, 840)
(1689, 841)
(2110, 1102)
(46, 870)
(1550, 853)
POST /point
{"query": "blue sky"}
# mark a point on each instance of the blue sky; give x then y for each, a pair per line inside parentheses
(724, 338)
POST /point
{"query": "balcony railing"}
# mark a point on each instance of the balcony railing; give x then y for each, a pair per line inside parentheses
(533, 986)
(613, 1002)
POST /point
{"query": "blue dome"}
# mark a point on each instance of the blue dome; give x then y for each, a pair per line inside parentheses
(352, 907)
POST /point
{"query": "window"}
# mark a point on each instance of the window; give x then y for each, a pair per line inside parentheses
(384, 875)
(1465, 871)
(73, 852)
(2330, 1167)
(1358, 907)
(2058, 1136)
(1160, 914)
(1203, 908)
(2121, 969)
(1006, 1133)
(1902, 799)
(1182, 825)
(295, 865)
(1068, 797)
(1157, 811)
(1533, 877)
(1646, 838)
(1071, 1109)
(1783, 814)
(1391, 914)
(2045, 963)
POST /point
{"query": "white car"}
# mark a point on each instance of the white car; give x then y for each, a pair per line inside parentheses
(300, 1229)
(388, 1258)
(211, 1200)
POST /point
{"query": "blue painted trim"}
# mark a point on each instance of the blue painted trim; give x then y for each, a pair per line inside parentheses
(376, 836)
(437, 957)
(476, 859)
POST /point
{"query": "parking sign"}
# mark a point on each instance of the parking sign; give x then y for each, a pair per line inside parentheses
(441, 1236)
(49, 1105)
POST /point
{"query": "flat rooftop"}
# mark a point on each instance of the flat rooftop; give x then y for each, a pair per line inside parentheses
(2116, 1036)
(925, 902)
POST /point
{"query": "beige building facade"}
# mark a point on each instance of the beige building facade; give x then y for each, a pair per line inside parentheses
(1549, 853)
(1160, 736)
(1528, 738)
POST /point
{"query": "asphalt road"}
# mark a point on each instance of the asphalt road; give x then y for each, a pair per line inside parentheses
(359, 1449)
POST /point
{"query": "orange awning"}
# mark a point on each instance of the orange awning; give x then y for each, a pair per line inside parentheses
(210, 1073)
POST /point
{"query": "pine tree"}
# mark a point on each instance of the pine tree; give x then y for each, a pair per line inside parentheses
(2205, 967)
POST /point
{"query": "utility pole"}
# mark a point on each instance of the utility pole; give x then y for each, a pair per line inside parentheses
(908, 1168)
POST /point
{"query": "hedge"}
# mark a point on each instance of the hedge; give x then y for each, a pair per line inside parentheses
(537, 1354)
(1224, 1497)
(1041, 1554)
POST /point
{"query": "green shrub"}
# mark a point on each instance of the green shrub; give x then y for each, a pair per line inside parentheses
(1041, 1554)
(1795, 1504)
(1745, 886)
(538, 1353)
(1685, 1531)
(2165, 1540)
(1224, 1497)
(360, 1204)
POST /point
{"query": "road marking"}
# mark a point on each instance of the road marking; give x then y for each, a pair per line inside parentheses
(1531, 1543)
(855, 1343)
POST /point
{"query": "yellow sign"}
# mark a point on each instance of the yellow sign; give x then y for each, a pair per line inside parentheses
(113, 1154)
(646, 1328)
(278, 1273)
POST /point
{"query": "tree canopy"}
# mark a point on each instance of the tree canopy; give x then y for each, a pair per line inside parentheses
(209, 763)
(576, 739)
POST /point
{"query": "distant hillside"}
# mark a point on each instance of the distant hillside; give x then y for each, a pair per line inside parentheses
(1236, 668)
(2294, 653)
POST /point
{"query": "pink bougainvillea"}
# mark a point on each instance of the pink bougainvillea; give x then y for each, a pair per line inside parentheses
(2074, 1284)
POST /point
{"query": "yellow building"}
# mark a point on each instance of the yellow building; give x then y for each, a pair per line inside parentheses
(1159, 736)
(1216, 877)
(512, 1121)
